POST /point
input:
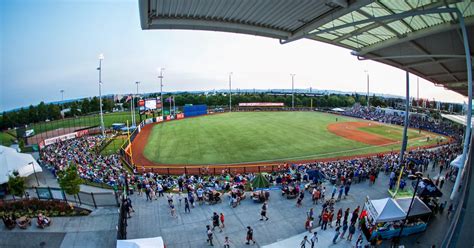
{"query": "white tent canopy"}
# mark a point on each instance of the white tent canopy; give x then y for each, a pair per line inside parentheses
(418, 208)
(385, 210)
(457, 162)
(11, 160)
(337, 110)
(156, 242)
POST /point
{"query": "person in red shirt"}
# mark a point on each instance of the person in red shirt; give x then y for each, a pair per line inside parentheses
(222, 219)
(325, 220)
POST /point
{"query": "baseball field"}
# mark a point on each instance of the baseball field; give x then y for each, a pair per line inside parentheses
(256, 137)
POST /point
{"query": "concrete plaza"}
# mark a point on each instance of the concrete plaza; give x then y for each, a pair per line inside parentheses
(286, 220)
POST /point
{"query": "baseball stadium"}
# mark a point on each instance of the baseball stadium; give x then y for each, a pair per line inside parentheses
(250, 162)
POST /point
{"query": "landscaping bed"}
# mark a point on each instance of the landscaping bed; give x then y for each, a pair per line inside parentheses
(31, 208)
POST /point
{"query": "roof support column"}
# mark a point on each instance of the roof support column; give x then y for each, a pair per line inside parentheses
(406, 122)
(467, 135)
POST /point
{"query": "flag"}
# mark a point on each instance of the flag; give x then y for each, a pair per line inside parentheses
(169, 99)
(129, 97)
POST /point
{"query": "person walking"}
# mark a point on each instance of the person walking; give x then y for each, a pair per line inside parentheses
(310, 213)
(314, 239)
(209, 235)
(304, 241)
(249, 236)
(300, 199)
(346, 214)
(330, 218)
(338, 232)
(359, 241)
(341, 190)
(344, 229)
(338, 217)
(227, 242)
(148, 192)
(263, 212)
(221, 216)
(450, 209)
(215, 222)
(352, 230)
(173, 211)
(325, 220)
(441, 183)
(186, 206)
(334, 190)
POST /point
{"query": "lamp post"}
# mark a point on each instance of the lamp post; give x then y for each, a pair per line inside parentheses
(230, 92)
(34, 172)
(161, 89)
(293, 91)
(102, 128)
(418, 176)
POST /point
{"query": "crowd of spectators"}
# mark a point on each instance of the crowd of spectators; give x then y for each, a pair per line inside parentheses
(83, 151)
(108, 169)
(418, 121)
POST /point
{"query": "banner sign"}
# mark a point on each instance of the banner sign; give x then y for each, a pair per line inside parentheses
(61, 138)
(261, 104)
(180, 116)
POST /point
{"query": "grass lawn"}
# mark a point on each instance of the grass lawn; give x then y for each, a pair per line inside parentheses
(84, 121)
(113, 146)
(253, 137)
(6, 139)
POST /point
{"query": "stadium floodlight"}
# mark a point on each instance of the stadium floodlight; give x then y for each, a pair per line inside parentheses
(102, 128)
(62, 95)
(293, 91)
(230, 92)
(368, 87)
(161, 69)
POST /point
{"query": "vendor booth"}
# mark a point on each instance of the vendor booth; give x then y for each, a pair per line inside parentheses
(384, 217)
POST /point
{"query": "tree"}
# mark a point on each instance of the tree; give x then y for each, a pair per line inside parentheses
(16, 184)
(70, 181)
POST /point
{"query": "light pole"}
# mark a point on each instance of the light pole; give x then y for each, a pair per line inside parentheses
(293, 91)
(161, 90)
(230, 92)
(134, 119)
(62, 96)
(34, 171)
(368, 87)
(418, 176)
(102, 128)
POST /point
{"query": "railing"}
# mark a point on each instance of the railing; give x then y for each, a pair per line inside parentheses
(98, 199)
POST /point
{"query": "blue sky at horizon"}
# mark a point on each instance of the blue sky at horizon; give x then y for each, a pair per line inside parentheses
(51, 45)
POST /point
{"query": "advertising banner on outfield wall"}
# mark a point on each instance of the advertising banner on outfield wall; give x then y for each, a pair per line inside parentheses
(180, 116)
(261, 104)
(60, 138)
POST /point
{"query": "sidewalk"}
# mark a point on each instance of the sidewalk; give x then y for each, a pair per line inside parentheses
(324, 239)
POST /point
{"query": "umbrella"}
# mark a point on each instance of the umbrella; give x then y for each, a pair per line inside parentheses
(426, 188)
(260, 182)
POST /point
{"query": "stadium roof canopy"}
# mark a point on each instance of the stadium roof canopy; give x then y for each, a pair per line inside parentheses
(419, 36)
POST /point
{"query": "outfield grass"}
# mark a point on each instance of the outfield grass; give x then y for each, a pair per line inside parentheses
(394, 132)
(255, 137)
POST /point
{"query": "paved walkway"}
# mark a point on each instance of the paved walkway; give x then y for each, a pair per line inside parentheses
(286, 224)
(286, 220)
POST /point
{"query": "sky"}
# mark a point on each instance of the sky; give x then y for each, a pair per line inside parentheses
(48, 46)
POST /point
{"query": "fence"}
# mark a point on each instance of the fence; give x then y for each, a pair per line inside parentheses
(98, 199)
